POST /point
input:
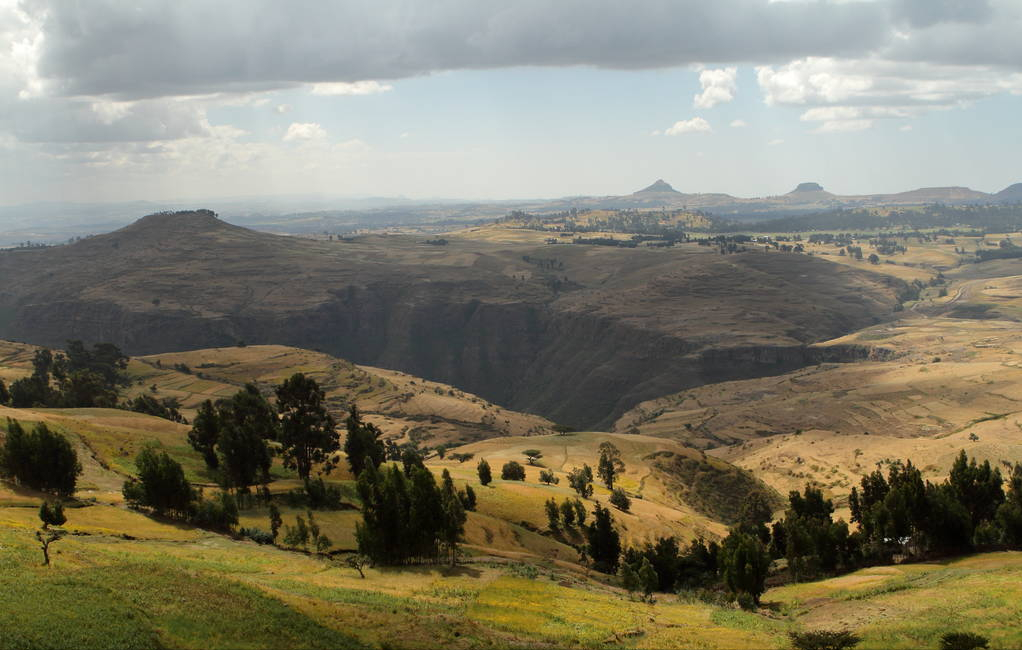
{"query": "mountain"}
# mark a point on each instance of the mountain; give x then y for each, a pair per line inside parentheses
(660, 186)
(1011, 193)
(807, 187)
(575, 333)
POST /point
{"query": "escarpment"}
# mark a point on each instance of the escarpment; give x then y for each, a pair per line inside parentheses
(581, 344)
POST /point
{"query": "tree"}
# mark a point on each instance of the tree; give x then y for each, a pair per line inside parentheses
(52, 514)
(244, 457)
(873, 258)
(40, 459)
(532, 455)
(5, 395)
(512, 471)
(620, 500)
(754, 516)
(275, 521)
(547, 476)
(468, 497)
(297, 537)
(581, 480)
(161, 484)
(648, 579)
(358, 562)
(610, 464)
(461, 457)
(362, 444)
(745, 563)
(485, 477)
(453, 527)
(977, 487)
(553, 515)
(567, 514)
(580, 512)
(604, 543)
(307, 433)
(629, 578)
(1009, 514)
(205, 432)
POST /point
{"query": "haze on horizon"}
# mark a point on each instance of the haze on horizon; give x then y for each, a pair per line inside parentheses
(101, 101)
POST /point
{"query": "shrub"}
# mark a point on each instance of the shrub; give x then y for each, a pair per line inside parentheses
(316, 494)
(512, 471)
(824, 640)
(620, 500)
(257, 535)
(219, 513)
(963, 641)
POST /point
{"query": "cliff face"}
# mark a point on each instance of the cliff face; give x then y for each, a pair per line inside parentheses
(638, 325)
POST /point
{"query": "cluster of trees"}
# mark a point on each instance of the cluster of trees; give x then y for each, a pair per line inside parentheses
(167, 408)
(41, 459)
(566, 515)
(408, 518)
(79, 377)
(161, 487)
(902, 514)
(238, 435)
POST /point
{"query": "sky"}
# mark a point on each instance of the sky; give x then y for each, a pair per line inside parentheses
(110, 100)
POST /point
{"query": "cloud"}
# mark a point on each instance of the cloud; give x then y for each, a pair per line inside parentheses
(280, 109)
(858, 91)
(355, 88)
(694, 125)
(719, 87)
(775, 142)
(189, 47)
(738, 124)
(304, 131)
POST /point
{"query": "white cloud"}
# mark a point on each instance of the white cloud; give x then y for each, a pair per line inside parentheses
(694, 125)
(906, 127)
(280, 109)
(304, 131)
(848, 94)
(719, 87)
(353, 88)
(739, 124)
(775, 142)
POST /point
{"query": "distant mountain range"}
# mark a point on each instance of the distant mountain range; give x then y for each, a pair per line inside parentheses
(806, 197)
(53, 222)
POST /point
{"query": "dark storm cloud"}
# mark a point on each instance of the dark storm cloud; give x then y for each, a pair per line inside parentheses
(100, 47)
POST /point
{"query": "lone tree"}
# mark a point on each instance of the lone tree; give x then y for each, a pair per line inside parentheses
(50, 515)
(485, 476)
(610, 464)
(362, 445)
(532, 455)
(547, 476)
(307, 433)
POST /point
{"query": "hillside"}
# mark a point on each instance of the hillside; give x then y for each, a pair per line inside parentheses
(577, 340)
(952, 380)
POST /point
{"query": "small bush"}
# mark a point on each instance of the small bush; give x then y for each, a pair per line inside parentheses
(512, 471)
(219, 513)
(620, 499)
(824, 640)
(257, 535)
(963, 641)
(523, 570)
